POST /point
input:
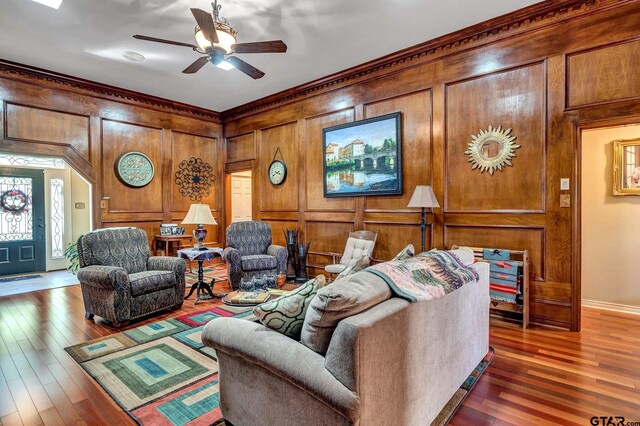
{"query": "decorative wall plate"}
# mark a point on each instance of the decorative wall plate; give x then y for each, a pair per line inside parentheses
(491, 149)
(134, 169)
(195, 178)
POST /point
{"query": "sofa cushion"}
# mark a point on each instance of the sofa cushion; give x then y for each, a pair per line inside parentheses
(335, 268)
(355, 249)
(355, 265)
(405, 253)
(258, 262)
(344, 298)
(149, 281)
(286, 314)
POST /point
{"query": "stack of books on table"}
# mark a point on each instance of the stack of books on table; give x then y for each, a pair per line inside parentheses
(248, 297)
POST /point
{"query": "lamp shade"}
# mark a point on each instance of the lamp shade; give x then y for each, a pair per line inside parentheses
(199, 214)
(423, 196)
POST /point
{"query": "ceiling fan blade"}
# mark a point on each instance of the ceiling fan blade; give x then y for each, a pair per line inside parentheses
(161, 40)
(196, 65)
(249, 70)
(205, 22)
(273, 46)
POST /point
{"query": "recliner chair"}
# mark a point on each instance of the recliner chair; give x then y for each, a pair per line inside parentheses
(120, 281)
(249, 252)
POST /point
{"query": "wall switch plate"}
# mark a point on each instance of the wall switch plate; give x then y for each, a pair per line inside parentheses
(79, 205)
(564, 184)
(565, 200)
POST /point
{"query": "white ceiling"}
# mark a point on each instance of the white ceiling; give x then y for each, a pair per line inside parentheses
(85, 38)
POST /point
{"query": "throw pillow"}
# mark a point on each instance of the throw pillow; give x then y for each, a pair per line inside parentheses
(354, 265)
(406, 253)
(286, 314)
(465, 254)
(342, 299)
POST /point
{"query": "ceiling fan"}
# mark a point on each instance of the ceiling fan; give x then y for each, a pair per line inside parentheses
(216, 40)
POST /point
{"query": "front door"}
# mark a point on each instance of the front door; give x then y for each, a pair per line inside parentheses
(22, 237)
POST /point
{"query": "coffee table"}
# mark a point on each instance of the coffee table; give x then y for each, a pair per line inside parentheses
(201, 256)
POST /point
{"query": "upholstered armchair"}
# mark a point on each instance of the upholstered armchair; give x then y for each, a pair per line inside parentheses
(249, 252)
(120, 281)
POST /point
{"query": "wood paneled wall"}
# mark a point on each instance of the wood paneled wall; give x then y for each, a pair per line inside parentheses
(91, 125)
(543, 72)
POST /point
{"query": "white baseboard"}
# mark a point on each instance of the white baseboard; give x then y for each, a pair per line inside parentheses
(628, 309)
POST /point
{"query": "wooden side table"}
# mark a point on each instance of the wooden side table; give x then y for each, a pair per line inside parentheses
(201, 256)
(169, 243)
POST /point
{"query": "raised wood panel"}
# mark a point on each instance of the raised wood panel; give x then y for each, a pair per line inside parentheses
(277, 230)
(313, 158)
(416, 145)
(512, 99)
(512, 238)
(27, 123)
(282, 197)
(604, 74)
(550, 291)
(393, 237)
(240, 148)
(545, 313)
(117, 138)
(184, 146)
(327, 236)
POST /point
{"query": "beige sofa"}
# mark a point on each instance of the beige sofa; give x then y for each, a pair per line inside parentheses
(395, 363)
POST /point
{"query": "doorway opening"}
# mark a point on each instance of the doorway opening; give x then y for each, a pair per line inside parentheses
(240, 194)
(46, 205)
(609, 225)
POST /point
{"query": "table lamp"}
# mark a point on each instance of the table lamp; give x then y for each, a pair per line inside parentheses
(199, 214)
(424, 198)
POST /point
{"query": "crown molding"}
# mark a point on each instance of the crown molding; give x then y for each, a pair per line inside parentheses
(530, 18)
(10, 69)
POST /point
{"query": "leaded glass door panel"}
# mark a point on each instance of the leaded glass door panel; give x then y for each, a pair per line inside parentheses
(22, 225)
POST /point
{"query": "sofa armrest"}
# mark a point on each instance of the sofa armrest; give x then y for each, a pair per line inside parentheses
(366, 331)
(281, 254)
(234, 266)
(167, 263)
(102, 276)
(232, 255)
(281, 356)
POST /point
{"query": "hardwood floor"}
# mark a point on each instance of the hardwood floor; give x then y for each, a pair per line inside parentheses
(538, 376)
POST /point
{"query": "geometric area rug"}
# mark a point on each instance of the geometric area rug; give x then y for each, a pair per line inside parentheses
(160, 373)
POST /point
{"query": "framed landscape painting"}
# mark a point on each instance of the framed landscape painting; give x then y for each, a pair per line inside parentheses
(363, 157)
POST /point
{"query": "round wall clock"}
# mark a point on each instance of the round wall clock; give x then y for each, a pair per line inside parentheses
(134, 169)
(277, 172)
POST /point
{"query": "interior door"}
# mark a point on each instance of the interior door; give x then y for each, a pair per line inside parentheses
(22, 221)
(240, 198)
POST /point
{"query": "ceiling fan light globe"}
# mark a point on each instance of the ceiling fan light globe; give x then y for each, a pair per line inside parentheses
(226, 40)
(225, 65)
(201, 40)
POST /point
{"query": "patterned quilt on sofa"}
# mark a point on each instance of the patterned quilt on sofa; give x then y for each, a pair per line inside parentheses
(426, 276)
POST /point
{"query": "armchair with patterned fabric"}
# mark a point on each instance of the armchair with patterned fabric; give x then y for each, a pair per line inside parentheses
(120, 281)
(249, 252)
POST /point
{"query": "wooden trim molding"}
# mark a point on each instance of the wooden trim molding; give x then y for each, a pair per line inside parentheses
(611, 306)
(529, 18)
(10, 69)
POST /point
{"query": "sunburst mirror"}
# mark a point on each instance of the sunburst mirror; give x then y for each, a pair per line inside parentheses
(491, 149)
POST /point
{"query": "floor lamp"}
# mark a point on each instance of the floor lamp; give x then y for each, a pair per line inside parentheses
(424, 198)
